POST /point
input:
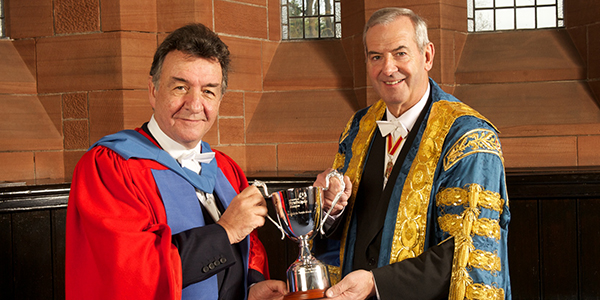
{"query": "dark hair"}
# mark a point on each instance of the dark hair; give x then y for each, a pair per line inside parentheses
(196, 40)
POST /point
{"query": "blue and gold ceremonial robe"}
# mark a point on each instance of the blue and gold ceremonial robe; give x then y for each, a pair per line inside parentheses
(451, 184)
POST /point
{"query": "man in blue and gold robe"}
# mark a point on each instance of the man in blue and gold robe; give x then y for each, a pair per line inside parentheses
(425, 212)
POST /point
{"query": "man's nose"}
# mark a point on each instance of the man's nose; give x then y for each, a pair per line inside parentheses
(195, 101)
(389, 65)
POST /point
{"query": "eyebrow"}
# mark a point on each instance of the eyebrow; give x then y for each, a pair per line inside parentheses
(393, 50)
(179, 79)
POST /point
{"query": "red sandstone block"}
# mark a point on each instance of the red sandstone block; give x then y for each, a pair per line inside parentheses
(75, 106)
(76, 134)
(30, 123)
(305, 156)
(229, 17)
(49, 165)
(587, 147)
(232, 105)
(76, 16)
(231, 131)
(261, 158)
(116, 60)
(540, 152)
(16, 167)
(28, 19)
(130, 15)
(18, 67)
(246, 72)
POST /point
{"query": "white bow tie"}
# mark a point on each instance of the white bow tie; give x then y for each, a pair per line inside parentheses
(387, 127)
(193, 159)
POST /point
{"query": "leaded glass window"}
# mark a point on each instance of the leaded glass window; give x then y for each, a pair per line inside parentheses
(311, 19)
(495, 15)
(2, 26)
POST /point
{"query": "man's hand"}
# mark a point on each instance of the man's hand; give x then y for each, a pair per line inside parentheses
(267, 290)
(334, 188)
(355, 286)
(245, 213)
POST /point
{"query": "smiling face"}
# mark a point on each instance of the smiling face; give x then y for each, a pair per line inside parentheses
(398, 70)
(186, 101)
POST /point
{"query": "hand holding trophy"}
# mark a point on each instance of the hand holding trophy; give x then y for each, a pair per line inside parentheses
(299, 215)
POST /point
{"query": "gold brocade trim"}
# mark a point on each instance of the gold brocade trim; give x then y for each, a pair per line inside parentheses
(458, 196)
(485, 260)
(482, 227)
(411, 221)
(463, 246)
(335, 274)
(474, 141)
(481, 291)
(360, 146)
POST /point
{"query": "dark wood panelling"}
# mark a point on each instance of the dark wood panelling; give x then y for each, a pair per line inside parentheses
(32, 255)
(59, 221)
(6, 258)
(589, 243)
(553, 236)
(523, 249)
(559, 249)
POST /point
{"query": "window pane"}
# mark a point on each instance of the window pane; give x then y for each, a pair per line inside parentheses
(312, 7)
(470, 9)
(484, 3)
(284, 32)
(505, 3)
(283, 2)
(338, 12)
(525, 18)
(484, 20)
(284, 15)
(505, 19)
(525, 2)
(296, 29)
(311, 28)
(326, 7)
(560, 9)
(546, 17)
(546, 2)
(327, 27)
(338, 30)
(295, 8)
(470, 25)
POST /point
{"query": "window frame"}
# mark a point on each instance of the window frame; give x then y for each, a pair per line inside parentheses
(287, 20)
(537, 4)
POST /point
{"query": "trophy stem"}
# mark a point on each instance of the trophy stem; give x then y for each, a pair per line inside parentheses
(304, 255)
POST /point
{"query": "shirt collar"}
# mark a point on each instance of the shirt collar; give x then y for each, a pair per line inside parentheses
(168, 144)
(409, 117)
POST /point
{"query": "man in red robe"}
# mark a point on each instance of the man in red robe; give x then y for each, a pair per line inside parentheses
(154, 213)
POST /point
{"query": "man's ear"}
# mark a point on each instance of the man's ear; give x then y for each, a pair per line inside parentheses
(429, 54)
(151, 92)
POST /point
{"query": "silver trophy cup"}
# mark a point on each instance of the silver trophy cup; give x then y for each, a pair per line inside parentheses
(300, 216)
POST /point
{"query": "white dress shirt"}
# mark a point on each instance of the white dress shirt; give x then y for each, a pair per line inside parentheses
(178, 152)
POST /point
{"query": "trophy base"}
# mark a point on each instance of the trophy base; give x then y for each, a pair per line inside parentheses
(301, 295)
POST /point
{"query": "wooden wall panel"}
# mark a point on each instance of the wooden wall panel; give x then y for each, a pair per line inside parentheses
(59, 225)
(6, 258)
(524, 250)
(589, 243)
(559, 248)
(32, 250)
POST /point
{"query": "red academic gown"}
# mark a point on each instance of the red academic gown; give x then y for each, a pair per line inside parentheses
(118, 243)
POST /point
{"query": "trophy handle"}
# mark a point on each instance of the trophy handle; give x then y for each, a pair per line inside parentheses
(340, 177)
(259, 184)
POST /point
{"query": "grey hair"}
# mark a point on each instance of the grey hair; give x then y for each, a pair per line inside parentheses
(390, 14)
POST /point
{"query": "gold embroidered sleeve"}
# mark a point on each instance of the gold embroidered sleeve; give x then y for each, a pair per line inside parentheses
(474, 141)
(464, 227)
